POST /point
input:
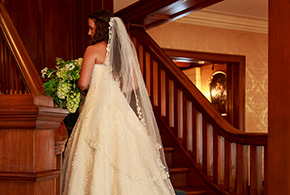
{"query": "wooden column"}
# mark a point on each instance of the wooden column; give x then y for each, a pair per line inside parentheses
(279, 98)
(29, 154)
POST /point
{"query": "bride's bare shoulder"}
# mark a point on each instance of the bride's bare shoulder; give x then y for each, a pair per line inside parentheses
(98, 47)
(97, 51)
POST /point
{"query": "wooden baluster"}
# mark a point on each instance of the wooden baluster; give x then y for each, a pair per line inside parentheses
(215, 156)
(233, 168)
(7, 69)
(204, 145)
(180, 113)
(163, 93)
(18, 82)
(135, 42)
(194, 132)
(141, 57)
(144, 63)
(210, 150)
(1, 63)
(24, 88)
(227, 164)
(221, 161)
(242, 169)
(256, 179)
(151, 78)
(4, 68)
(155, 83)
(199, 139)
(168, 99)
(159, 89)
(171, 103)
(146, 73)
(15, 75)
(11, 75)
(189, 126)
(175, 95)
(185, 123)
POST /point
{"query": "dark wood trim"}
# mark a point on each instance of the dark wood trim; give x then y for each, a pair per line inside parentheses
(278, 97)
(30, 161)
(151, 13)
(235, 76)
(30, 176)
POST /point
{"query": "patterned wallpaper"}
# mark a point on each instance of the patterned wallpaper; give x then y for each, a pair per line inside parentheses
(254, 46)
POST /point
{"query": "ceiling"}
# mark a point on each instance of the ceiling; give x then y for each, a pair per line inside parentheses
(254, 8)
(245, 15)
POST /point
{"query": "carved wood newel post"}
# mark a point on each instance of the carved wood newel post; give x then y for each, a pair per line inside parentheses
(30, 153)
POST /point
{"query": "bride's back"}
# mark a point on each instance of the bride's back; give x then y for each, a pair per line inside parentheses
(99, 51)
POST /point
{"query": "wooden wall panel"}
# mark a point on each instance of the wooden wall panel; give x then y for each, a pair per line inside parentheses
(28, 26)
(56, 20)
(55, 28)
(279, 95)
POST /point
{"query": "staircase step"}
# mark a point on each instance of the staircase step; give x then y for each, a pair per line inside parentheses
(168, 151)
(178, 176)
(175, 169)
(191, 190)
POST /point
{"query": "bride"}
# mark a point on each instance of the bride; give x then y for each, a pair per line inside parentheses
(115, 147)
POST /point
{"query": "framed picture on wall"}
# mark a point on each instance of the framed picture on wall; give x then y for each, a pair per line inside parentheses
(218, 91)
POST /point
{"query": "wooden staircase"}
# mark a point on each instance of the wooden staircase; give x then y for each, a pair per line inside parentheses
(179, 174)
(205, 153)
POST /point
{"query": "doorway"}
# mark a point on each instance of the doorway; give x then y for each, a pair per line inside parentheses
(207, 71)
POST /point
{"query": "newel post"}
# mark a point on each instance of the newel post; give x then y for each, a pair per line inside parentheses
(29, 150)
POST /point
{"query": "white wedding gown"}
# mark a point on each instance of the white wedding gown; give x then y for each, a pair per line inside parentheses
(109, 151)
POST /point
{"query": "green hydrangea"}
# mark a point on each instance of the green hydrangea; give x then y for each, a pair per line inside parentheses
(62, 85)
(63, 90)
(73, 101)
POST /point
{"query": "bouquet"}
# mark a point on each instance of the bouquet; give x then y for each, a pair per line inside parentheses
(62, 85)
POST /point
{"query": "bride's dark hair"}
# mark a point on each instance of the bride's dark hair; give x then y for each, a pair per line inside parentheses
(101, 19)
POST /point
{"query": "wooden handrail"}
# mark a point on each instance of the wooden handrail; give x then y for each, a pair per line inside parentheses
(20, 53)
(220, 152)
(224, 127)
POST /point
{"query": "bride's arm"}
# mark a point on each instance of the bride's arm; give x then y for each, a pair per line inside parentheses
(87, 68)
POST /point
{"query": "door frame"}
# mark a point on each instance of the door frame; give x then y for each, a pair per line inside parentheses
(235, 80)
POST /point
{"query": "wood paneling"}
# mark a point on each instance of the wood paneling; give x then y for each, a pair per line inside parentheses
(278, 98)
(27, 145)
(55, 28)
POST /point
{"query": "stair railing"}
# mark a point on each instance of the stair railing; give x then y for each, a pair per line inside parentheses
(231, 161)
(20, 54)
(18, 75)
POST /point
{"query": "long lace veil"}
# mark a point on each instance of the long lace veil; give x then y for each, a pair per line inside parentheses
(123, 60)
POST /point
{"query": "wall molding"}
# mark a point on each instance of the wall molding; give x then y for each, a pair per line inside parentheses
(226, 20)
